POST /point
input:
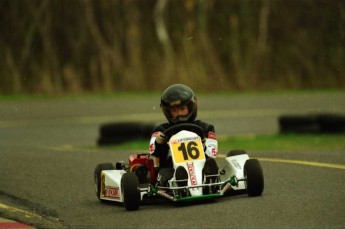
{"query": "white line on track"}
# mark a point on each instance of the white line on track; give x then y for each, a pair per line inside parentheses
(27, 214)
(300, 162)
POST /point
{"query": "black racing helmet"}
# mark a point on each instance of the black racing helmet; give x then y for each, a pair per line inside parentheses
(177, 95)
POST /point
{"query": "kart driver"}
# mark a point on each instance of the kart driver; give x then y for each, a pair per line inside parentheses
(179, 105)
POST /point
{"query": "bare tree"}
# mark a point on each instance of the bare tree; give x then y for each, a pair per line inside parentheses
(261, 43)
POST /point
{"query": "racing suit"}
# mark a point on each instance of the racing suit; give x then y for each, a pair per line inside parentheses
(161, 155)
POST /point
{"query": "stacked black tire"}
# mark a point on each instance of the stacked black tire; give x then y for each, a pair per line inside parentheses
(312, 123)
(115, 133)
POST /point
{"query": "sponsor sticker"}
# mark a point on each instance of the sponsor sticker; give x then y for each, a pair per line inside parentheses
(212, 135)
(214, 152)
(186, 149)
(236, 164)
(111, 192)
(191, 172)
(185, 139)
(154, 134)
(152, 148)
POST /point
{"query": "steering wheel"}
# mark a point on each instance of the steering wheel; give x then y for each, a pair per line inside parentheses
(184, 126)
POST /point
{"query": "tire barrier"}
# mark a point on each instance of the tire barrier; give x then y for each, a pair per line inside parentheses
(312, 123)
(116, 133)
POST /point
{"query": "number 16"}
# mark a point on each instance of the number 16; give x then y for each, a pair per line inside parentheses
(191, 150)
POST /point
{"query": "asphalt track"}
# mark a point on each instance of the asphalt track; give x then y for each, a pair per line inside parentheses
(48, 154)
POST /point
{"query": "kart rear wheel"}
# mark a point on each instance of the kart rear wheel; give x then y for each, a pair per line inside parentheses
(235, 152)
(98, 178)
(254, 177)
(130, 191)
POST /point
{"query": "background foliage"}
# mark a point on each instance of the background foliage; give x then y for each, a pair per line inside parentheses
(56, 46)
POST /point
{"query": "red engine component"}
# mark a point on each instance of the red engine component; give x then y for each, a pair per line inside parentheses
(143, 166)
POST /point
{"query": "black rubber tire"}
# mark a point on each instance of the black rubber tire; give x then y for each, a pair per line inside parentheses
(235, 152)
(254, 177)
(331, 123)
(97, 177)
(114, 133)
(313, 123)
(113, 140)
(130, 191)
(125, 129)
(299, 124)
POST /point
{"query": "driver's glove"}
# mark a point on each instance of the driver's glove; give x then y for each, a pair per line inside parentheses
(161, 138)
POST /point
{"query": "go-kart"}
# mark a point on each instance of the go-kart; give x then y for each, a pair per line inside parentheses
(131, 182)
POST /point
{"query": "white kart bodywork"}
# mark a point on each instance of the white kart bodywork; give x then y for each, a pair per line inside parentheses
(111, 185)
(234, 167)
(193, 167)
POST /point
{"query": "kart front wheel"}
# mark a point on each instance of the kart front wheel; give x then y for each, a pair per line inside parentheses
(98, 179)
(254, 177)
(130, 191)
